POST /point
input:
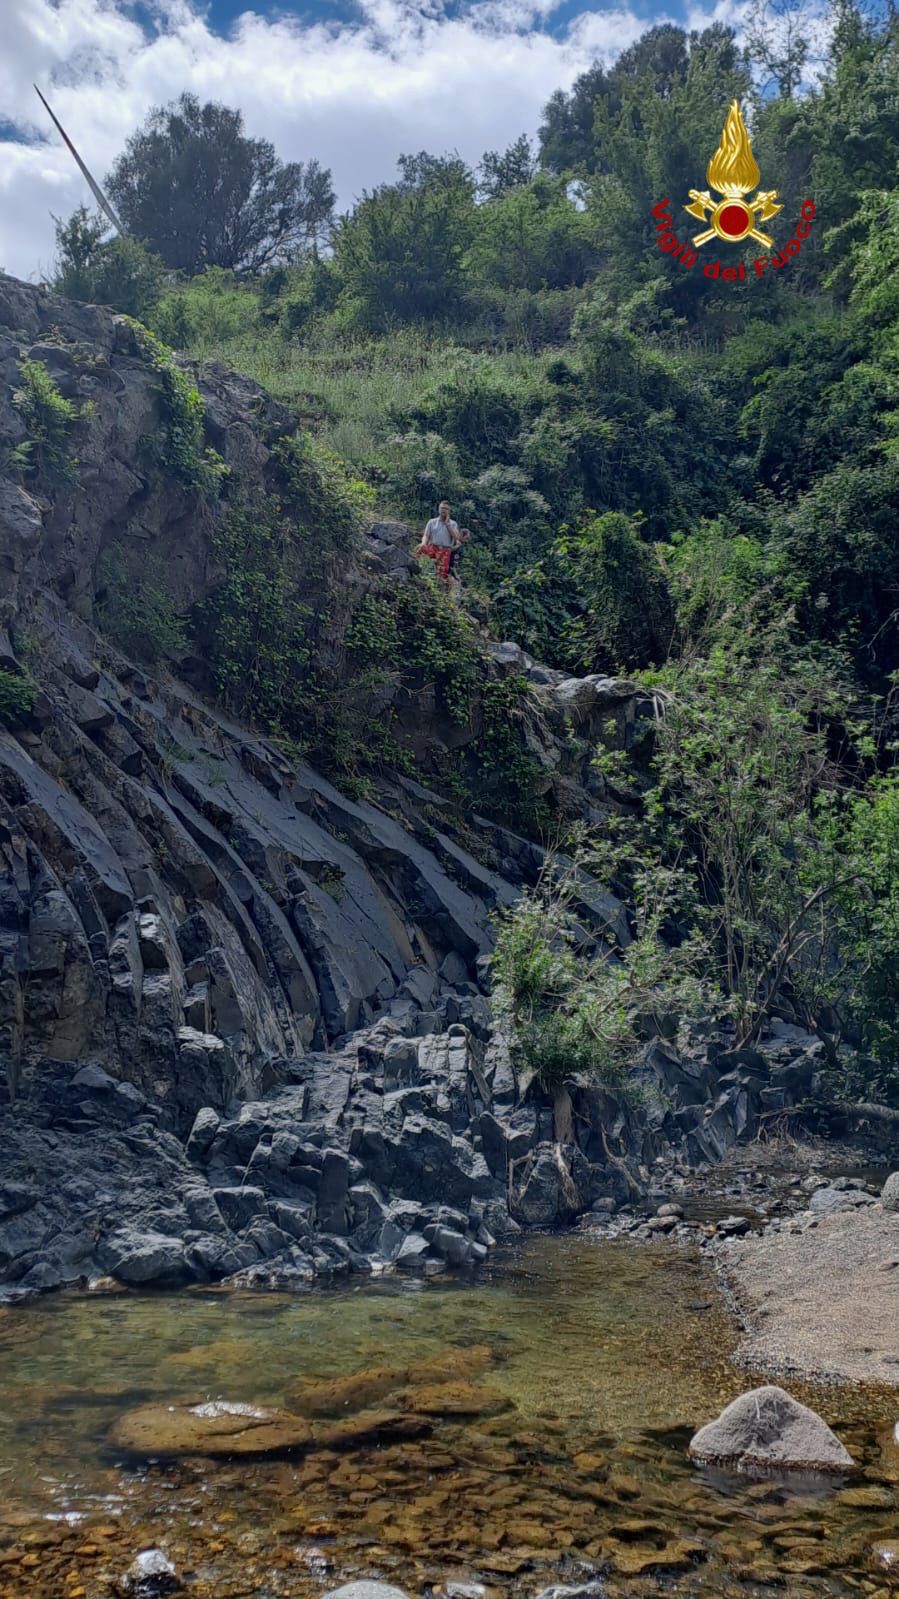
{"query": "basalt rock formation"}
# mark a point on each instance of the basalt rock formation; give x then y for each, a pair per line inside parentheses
(244, 1024)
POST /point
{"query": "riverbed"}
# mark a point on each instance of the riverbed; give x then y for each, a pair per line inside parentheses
(600, 1360)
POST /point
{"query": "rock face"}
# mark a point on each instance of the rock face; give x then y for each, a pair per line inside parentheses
(767, 1430)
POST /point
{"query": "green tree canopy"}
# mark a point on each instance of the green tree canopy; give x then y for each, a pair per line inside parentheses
(202, 193)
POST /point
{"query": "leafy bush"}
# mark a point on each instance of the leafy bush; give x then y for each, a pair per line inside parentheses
(135, 611)
(17, 697)
(570, 1004)
(206, 313)
(629, 615)
(119, 272)
(51, 420)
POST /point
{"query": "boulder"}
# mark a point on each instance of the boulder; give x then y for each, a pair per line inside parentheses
(366, 1590)
(137, 1257)
(767, 1430)
(151, 1575)
(217, 1428)
(889, 1196)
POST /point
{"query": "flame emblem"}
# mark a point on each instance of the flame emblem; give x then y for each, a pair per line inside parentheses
(733, 171)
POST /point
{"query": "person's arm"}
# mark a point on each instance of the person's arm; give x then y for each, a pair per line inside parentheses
(425, 540)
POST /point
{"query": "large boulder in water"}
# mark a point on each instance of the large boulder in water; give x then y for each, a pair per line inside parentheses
(766, 1429)
(216, 1429)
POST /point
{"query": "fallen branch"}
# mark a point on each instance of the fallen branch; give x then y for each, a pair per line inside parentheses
(864, 1111)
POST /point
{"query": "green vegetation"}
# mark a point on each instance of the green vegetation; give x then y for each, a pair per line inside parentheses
(50, 421)
(572, 1004)
(116, 271)
(135, 611)
(17, 697)
(179, 450)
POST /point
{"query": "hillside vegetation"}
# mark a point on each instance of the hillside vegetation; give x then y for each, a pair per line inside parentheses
(690, 480)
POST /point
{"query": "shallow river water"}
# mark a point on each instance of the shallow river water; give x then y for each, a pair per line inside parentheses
(598, 1360)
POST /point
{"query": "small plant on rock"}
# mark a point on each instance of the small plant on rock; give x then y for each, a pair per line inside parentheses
(51, 420)
(17, 696)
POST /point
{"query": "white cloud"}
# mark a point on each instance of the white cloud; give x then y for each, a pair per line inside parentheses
(403, 77)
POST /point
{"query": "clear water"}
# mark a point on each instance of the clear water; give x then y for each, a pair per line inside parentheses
(610, 1357)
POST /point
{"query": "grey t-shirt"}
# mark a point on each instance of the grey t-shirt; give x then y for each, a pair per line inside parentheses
(441, 533)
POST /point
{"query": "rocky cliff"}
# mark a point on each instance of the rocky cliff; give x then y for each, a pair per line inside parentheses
(244, 1025)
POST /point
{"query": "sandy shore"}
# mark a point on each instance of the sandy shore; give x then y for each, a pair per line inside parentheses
(823, 1303)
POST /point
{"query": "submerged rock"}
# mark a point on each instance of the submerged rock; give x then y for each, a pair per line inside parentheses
(766, 1429)
(216, 1428)
(372, 1426)
(457, 1398)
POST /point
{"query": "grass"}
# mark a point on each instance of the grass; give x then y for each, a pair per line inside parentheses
(351, 384)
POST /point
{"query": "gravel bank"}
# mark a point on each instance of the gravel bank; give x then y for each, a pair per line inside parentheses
(822, 1303)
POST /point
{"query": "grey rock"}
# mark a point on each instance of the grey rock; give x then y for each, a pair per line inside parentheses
(202, 1134)
(733, 1226)
(889, 1196)
(766, 1429)
(366, 1590)
(825, 1201)
(580, 1590)
(137, 1258)
(151, 1575)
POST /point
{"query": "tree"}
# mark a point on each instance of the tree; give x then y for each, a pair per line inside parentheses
(777, 34)
(201, 193)
(534, 237)
(400, 253)
(120, 271)
(501, 173)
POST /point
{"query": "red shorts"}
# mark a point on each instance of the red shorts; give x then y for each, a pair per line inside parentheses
(440, 556)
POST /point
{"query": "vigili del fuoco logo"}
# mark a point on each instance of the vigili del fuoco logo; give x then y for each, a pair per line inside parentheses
(733, 173)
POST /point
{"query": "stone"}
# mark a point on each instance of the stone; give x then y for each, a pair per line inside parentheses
(372, 1426)
(732, 1226)
(334, 1396)
(366, 1590)
(766, 1429)
(580, 1590)
(889, 1196)
(202, 1134)
(826, 1201)
(136, 1257)
(151, 1575)
(216, 1428)
(454, 1398)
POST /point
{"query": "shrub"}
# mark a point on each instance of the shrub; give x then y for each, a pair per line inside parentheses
(120, 272)
(17, 697)
(573, 1007)
(136, 613)
(624, 590)
(51, 420)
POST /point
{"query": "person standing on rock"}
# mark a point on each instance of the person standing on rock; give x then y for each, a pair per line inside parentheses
(439, 539)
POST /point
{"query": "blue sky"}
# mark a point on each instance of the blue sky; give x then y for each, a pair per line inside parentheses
(354, 83)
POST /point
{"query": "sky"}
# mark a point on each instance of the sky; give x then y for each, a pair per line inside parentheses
(354, 83)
